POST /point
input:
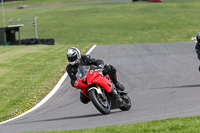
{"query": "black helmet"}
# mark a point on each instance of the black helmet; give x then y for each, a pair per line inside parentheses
(73, 55)
(198, 37)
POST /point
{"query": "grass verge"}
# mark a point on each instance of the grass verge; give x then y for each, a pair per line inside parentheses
(27, 74)
(171, 125)
(112, 23)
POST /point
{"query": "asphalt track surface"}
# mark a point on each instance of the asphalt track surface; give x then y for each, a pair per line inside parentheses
(162, 80)
(78, 3)
(68, 4)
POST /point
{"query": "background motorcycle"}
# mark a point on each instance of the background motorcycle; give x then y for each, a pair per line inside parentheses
(96, 87)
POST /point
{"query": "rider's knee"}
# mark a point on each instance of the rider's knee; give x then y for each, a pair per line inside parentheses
(110, 68)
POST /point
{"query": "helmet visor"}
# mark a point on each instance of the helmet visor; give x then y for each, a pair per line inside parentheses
(73, 58)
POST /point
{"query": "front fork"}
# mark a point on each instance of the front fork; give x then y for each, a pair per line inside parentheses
(99, 91)
(95, 87)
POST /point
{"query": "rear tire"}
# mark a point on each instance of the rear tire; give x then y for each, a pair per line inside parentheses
(102, 105)
(126, 103)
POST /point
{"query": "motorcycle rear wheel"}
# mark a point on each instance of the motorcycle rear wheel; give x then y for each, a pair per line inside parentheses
(127, 103)
(101, 104)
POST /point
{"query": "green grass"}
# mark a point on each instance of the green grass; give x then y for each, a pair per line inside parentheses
(171, 125)
(27, 73)
(114, 23)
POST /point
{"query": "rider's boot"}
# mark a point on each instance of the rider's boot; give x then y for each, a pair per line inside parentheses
(119, 86)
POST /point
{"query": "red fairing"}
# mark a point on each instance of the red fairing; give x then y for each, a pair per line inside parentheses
(91, 75)
(91, 78)
(95, 77)
(79, 84)
(105, 83)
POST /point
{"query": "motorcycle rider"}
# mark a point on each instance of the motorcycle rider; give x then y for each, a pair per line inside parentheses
(76, 59)
(197, 47)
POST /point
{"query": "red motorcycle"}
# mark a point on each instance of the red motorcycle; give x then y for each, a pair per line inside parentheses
(96, 87)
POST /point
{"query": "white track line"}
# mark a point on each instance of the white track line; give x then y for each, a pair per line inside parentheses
(91, 49)
(48, 96)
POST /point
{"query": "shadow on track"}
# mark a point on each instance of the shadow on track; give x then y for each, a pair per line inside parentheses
(65, 118)
(182, 86)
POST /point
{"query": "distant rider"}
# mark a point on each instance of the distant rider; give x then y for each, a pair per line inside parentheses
(76, 59)
(197, 47)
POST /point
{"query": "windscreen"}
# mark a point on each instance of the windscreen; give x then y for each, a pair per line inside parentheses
(82, 71)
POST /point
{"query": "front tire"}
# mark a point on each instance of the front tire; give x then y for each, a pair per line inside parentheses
(101, 104)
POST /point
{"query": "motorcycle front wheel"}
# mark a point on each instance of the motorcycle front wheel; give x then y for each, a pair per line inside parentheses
(100, 102)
